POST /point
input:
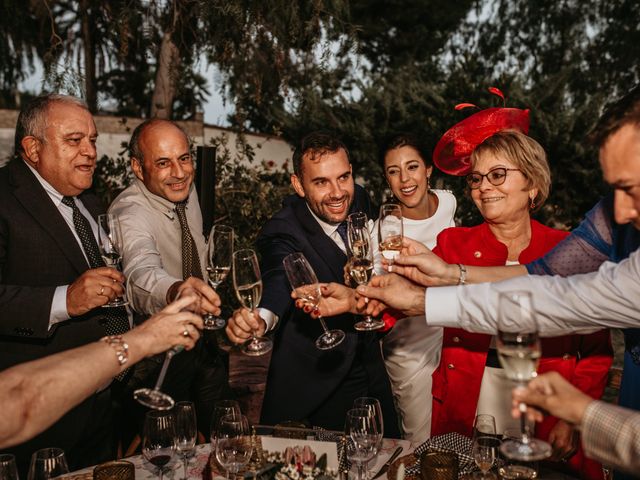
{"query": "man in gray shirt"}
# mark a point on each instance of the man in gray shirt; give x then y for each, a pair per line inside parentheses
(164, 253)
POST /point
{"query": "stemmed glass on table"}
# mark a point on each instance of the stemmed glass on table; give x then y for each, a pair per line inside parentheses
(8, 468)
(159, 439)
(390, 230)
(360, 263)
(154, 397)
(233, 446)
(186, 431)
(303, 279)
(361, 428)
(247, 282)
(372, 405)
(221, 409)
(47, 463)
(110, 244)
(518, 348)
(485, 450)
(219, 257)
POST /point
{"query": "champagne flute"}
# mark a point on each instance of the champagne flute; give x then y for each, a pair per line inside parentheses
(110, 244)
(360, 264)
(154, 397)
(484, 450)
(186, 431)
(219, 253)
(375, 410)
(518, 348)
(390, 230)
(221, 409)
(248, 285)
(8, 468)
(303, 279)
(233, 448)
(47, 463)
(361, 427)
(159, 439)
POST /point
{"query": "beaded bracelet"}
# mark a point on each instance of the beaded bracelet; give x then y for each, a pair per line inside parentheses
(120, 347)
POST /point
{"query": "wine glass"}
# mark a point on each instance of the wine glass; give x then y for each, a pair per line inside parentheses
(303, 279)
(390, 230)
(47, 463)
(219, 253)
(8, 468)
(154, 397)
(375, 410)
(518, 348)
(110, 244)
(159, 438)
(360, 263)
(233, 448)
(484, 450)
(186, 431)
(221, 409)
(361, 428)
(248, 285)
(484, 425)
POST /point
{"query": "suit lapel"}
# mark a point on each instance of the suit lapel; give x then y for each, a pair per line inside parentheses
(37, 202)
(324, 245)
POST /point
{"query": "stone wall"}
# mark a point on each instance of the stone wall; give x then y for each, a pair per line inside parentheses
(115, 131)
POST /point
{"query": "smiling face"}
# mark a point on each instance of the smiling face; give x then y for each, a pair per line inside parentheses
(504, 203)
(620, 162)
(66, 155)
(408, 179)
(326, 184)
(166, 168)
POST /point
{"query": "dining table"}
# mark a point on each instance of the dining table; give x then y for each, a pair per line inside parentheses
(174, 470)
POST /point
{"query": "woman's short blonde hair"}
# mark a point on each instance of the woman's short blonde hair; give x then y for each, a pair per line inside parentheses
(525, 153)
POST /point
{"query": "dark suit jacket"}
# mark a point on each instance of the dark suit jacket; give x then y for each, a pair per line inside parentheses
(38, 252)
(301, 376)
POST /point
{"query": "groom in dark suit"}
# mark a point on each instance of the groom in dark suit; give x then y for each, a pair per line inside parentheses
(305, 383)
(52, 281)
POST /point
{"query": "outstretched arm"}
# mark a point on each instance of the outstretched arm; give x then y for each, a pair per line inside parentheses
(36, 394)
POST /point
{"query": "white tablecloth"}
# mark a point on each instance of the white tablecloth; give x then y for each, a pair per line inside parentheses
(174, 470)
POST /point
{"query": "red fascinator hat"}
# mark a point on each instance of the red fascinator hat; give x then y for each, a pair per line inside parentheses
(453, 151)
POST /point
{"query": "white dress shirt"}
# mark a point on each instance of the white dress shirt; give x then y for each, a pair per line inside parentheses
(577, 304)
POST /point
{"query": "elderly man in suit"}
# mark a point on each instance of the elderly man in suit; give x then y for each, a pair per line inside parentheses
(52, 278)
(305, 383)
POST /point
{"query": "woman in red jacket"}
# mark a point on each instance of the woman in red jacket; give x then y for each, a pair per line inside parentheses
(508, 178)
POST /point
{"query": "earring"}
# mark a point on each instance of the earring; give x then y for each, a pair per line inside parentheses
(428, 184)
(532, 205)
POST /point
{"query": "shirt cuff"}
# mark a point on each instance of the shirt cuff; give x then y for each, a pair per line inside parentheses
(441, 307)
(59, 306)
(270, 318)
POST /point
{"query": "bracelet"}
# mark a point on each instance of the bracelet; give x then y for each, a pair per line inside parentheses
(120, 346)
(462, 279)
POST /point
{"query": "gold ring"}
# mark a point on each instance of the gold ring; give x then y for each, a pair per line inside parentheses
(185, 333)
(101, 290)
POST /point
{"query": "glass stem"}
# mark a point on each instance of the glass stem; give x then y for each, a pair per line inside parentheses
(163, 370)
(361, 470)
(523, 422)
(161, 473)
(185, 462)
(324, 325)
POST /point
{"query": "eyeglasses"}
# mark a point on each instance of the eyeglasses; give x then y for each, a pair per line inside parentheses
(496, 177)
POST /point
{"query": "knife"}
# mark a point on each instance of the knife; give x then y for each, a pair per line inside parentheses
(385, 467)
